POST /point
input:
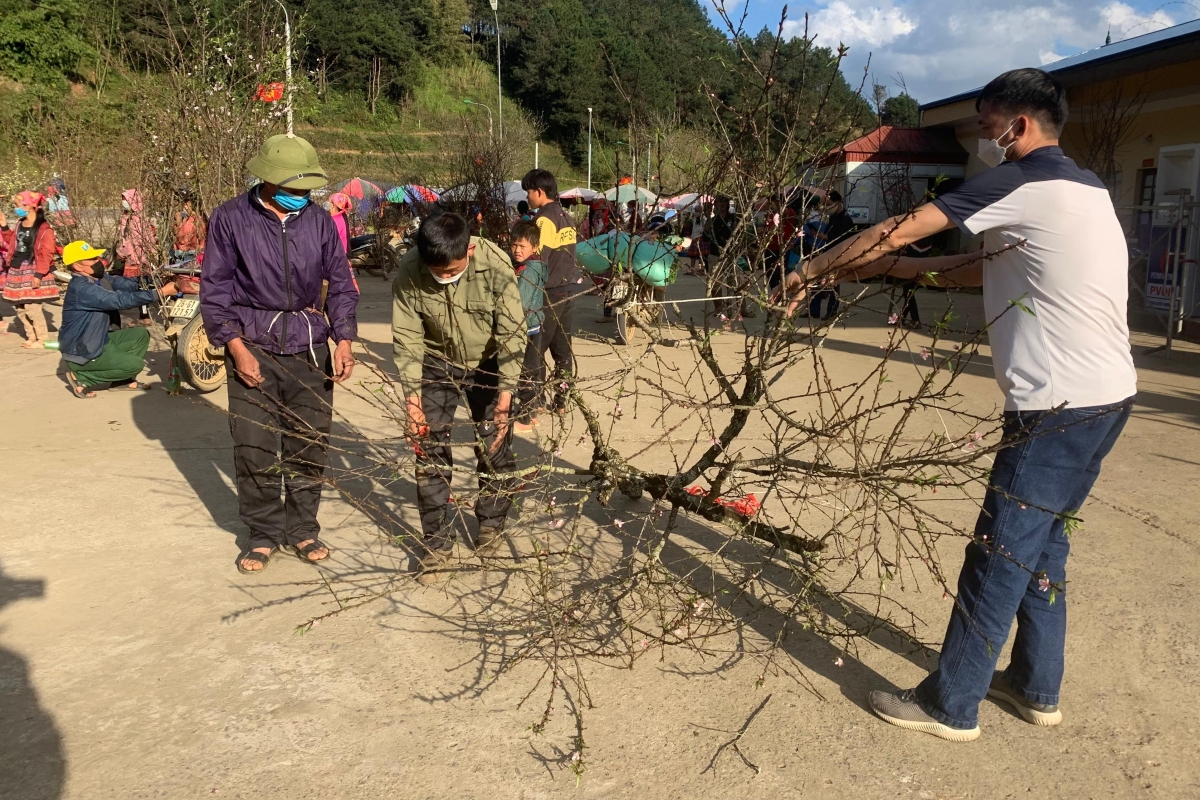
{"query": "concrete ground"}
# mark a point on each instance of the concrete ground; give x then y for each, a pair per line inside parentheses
(136, 662)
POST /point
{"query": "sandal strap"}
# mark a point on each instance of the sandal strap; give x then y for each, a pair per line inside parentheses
(315, 544)
(254, 555)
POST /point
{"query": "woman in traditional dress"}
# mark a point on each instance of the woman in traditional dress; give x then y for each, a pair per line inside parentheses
(27, 284)
(135, 242)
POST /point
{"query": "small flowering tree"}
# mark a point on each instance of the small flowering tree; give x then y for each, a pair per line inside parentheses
(216, 96)
(713, 490)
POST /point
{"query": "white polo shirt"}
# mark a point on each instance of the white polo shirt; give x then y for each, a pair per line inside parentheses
(1068, 265)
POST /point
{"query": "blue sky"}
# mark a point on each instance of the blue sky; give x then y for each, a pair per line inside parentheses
(942, 47)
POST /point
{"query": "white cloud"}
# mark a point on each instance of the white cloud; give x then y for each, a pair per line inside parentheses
(840, 23)
(943, 47)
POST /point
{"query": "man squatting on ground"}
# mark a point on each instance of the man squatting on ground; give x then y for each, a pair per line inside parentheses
(558, 252)
(1068, 380)
(93, 354)
(458, 332)
(267, 253)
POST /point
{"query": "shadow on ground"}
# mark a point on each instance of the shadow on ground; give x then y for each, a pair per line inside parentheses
(32, 759)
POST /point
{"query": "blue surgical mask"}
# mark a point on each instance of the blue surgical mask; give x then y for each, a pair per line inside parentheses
(290, 202)
(21, 213)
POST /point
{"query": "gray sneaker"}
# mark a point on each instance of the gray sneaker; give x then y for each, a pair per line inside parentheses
(1037, 713)
(903, 710)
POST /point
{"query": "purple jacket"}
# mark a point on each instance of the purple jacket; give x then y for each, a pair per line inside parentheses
(262, 278)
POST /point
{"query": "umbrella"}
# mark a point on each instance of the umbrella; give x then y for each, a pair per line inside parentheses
(421, 194)
(411, 194)
(625, 193)
(358, 188)
(513, 193)
(578, 193)
(464, 192)
(682, 201)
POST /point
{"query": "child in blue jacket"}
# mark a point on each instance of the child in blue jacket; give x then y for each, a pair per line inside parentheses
(531, 281)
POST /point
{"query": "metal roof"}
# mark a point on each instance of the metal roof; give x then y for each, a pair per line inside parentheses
(1128, 48)
(901, 145)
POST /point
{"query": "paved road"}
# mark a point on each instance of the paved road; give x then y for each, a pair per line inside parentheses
(136, 662)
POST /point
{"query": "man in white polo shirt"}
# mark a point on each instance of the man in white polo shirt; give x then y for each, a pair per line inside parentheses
(1052, 245)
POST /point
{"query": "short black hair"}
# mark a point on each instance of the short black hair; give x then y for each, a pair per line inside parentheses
(443, 238)
(1028, 91)
(834, 196)
(541, 179)
(524, 229)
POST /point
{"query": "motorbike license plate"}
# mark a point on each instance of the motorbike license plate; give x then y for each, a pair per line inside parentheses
(185, 307)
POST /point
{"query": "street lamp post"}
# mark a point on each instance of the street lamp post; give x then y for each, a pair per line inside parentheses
(287, 37)
(589, 149)
(499, 89)
(491, 133)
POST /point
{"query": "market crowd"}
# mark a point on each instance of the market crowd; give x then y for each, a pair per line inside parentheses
(473, 324)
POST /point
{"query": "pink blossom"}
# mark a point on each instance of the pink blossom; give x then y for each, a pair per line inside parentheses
(680, 632)
(558, 452)
(553, 502)
(945, 595)
(838, 662)
(1044, 584)
(558, 523)
(893, 319)
(724, 318)
(924, 353)
(620, 523)
(644, 643)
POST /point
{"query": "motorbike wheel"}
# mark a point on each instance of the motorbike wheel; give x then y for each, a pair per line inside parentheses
(200, 366)
(628, 330)
(387, 262)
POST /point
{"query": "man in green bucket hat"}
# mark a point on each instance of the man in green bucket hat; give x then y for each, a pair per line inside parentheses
(268, 253)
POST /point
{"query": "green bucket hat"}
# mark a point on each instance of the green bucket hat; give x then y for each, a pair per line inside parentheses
(288, 161)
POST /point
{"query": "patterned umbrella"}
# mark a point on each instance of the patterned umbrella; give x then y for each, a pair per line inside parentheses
(358, 188)
(420, 193)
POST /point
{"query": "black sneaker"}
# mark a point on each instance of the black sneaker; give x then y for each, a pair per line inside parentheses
(903, 710)
(1037, 713)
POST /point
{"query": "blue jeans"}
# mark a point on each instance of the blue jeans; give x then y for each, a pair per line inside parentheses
(1016, 564)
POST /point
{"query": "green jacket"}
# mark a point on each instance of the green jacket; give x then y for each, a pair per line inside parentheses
(464, 322)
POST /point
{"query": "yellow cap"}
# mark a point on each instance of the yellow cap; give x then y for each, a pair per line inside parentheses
(79, 251)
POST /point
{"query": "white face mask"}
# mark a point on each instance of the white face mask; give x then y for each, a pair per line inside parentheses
(125, 205)
(991, 152)
(446, 281)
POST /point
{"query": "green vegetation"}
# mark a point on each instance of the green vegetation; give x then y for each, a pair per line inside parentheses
(379, 82)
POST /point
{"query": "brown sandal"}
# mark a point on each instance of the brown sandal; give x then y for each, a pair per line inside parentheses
(78, 389)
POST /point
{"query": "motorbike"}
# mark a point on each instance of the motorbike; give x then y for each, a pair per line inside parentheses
(632, 274)
(378, 253)
(200, 363)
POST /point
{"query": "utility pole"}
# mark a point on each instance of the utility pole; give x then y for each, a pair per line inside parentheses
(499, 88)
(287, 37)
(589, 149)
(491, 132)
